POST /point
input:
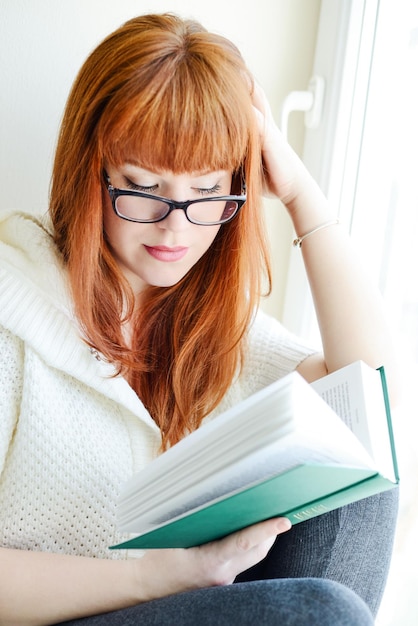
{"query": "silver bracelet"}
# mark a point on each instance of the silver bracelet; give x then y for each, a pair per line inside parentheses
(298, 241)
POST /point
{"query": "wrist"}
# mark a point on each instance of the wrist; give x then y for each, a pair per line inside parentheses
(299, 240)
(160, 573)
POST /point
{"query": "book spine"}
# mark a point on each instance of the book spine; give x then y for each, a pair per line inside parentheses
(389, 420)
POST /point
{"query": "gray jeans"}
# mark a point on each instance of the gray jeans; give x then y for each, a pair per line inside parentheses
(329, 571)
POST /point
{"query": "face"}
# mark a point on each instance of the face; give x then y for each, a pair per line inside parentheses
(161, 254)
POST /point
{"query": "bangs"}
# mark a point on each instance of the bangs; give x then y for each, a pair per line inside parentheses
(190, 120)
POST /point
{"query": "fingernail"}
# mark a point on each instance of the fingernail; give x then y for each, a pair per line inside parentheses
(283, 524)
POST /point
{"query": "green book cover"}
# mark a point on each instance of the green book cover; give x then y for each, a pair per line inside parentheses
(300, 493)
(307, 489)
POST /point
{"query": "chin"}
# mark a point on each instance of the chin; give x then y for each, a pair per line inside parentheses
(164, 281)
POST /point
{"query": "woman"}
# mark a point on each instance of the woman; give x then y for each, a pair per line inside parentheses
(129, 316)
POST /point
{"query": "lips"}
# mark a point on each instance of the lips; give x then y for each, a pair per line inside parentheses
(167, 254)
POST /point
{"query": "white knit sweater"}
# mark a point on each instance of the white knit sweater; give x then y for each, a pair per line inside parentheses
(70, 434)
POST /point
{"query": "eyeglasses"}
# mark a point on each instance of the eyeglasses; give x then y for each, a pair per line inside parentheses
(136, 206)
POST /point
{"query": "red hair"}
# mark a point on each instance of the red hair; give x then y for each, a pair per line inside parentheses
(165, 93)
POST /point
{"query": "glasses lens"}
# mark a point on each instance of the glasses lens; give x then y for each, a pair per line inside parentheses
(143, 209)
(212, 211)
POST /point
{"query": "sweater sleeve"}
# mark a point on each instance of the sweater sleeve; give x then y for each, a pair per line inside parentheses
(11, 368)
(272, 352)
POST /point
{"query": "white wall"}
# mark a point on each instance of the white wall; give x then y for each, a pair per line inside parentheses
(44, 42)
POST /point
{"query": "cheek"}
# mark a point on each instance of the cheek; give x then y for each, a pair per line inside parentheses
(115, 235)
(209, 236)
(117, 231)
(109, 223)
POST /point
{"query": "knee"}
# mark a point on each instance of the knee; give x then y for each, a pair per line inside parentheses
(296, 601)
(332, 604)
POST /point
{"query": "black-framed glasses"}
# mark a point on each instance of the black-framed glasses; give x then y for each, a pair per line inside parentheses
(136, 206)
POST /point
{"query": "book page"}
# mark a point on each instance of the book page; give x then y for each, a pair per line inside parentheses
(261, 466)
(346, 397)
(356, 395)
(343, 391)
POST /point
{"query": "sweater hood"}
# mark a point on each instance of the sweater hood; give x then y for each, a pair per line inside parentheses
(35, 305)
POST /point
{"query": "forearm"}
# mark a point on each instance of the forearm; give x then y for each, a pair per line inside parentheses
(348, 305)
(38, 588)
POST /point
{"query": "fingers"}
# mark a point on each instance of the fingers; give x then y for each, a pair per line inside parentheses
(259, 99)
(247, 538)
(284, 172)
(245, 548)
(262, 110)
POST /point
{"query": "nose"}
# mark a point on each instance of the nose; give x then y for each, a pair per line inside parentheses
(175, 221)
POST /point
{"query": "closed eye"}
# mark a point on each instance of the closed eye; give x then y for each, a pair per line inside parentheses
(207, 192)
(135, 187)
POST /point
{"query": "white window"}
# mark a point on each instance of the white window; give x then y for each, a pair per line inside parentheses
(364, 155)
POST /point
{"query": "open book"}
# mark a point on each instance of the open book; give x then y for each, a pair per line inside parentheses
(281, 452)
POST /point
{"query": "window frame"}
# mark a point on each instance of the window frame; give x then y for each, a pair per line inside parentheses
(343, 57)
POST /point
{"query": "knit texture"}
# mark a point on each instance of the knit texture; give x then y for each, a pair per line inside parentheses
(70, 433)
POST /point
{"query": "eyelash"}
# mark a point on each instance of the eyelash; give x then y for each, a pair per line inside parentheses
(135, 187)
(202, 192)
(207, 192)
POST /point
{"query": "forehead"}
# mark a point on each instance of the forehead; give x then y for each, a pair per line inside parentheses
(138, 168)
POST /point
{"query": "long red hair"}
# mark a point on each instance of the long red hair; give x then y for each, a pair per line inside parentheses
(167, 94)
